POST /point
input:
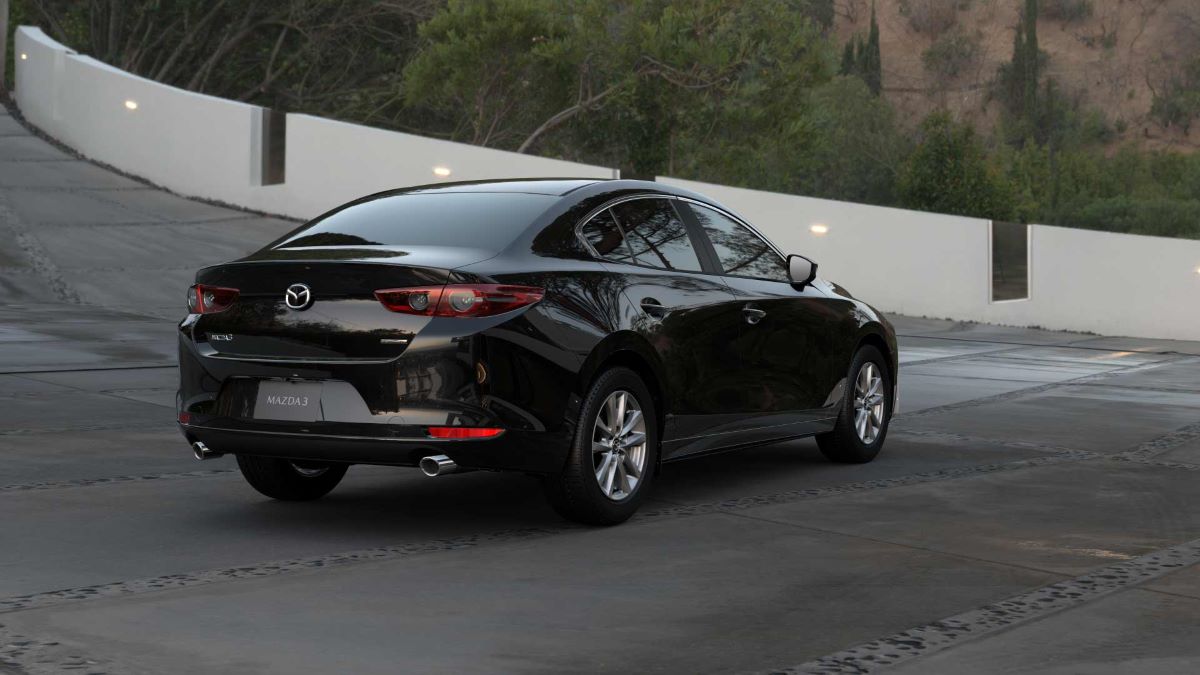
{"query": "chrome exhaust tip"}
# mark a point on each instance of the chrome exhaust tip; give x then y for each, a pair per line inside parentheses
(202, 452)
(437, 465)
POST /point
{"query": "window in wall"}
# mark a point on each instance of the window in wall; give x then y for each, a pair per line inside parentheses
(741, 252)
(1010, 261)
(656, 234)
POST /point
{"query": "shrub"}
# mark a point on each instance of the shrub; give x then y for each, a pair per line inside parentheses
(1161, 217)
(1067, 11)
(952, 55)
(949, 173)
(932, 17)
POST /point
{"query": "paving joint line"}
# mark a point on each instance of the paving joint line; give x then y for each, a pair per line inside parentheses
(1027, 391)
(1012, 612)
(393, 552)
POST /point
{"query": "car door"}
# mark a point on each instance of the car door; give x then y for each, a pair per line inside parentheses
(785, 345)
(679, 305)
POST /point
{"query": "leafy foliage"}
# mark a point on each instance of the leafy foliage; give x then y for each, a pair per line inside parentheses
(742, 92)
(952, 55)
(949, 173)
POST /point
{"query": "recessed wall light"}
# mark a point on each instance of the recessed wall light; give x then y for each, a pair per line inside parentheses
(441, 171)
(24, 57)
(818, 228)
(131, 104)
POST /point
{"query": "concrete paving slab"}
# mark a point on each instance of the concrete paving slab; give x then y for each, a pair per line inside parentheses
(144, 248)
(1188, 453)
(11, 127)
(921, 392)
(1095, 418)
(24, 285)
(51, 356)
(1065, 518)
(110, 380)
(35, 207)
(176, 526)
(22, 147)
(1093, 639)
(1185, 582)
(648, 597)
(1181, 374)
(172, 208)
(61, 176)
(942, 328)
(798, 465)
(1011, 367)
(70, 409)
(1144, 345)
(914, 349)
(91, 455)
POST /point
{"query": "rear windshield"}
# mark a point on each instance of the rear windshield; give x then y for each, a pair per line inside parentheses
(487, 220)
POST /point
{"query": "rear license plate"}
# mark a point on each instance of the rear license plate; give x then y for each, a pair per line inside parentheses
(291, 401)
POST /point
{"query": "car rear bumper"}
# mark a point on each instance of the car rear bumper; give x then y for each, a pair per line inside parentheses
(514, 450)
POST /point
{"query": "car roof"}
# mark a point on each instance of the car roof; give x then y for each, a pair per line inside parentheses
(556, 187)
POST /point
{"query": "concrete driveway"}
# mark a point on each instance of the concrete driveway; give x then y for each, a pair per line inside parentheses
(1035, 509)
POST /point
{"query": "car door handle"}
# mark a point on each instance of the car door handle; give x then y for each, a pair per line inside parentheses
(653, 307)
(753, 314)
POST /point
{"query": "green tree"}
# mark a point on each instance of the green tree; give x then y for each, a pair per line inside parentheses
(949, 173)
(872, 61)
(659, 89)
(858, 148)
(862, 58)
(1030, 60)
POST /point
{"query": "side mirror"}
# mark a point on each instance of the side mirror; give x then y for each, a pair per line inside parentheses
(801, 270)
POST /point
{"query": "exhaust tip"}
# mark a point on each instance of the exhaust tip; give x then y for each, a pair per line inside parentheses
(202, 452)
(437, 465)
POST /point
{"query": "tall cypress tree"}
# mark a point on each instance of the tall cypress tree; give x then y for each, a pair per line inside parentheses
(873, 61)
(1030, 62)
(848, 63)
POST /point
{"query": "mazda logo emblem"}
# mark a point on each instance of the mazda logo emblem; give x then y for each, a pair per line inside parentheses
(298, 297)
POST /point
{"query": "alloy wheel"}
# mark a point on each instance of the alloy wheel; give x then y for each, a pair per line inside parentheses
(868, 403)
(619, 445)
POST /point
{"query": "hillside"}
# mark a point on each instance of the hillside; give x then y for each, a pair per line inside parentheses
(1112, 58)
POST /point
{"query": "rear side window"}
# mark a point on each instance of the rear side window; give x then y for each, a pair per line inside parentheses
(485, 220)
(741, 252)
(656, 234)
(606, 238)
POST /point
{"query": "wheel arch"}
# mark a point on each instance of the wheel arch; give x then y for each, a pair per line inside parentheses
(629, 350)
(874, 334)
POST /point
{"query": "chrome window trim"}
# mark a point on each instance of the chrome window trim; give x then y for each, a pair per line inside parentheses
(741, 221)
(605, 206)
(651, 195)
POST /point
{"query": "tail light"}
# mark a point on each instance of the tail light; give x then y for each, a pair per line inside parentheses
(464, 432)
(459, 299)
(210, 299)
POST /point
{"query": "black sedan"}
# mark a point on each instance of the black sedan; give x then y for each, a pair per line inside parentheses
(583, 331)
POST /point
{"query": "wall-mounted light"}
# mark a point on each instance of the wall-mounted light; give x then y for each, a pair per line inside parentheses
(130, 104)
(24, 56)
(441, 171)
(819, 229)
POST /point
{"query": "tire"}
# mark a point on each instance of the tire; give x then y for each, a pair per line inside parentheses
(846, 444)
(579, 493)
(290, 481)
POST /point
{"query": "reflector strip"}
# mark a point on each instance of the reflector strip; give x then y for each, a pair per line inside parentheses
(464, 432)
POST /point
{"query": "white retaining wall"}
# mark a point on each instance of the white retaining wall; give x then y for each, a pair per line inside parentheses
(901, 261)
(203, 146)
(926, 264)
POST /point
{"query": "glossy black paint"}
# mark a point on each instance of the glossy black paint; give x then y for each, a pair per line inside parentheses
(732, 361)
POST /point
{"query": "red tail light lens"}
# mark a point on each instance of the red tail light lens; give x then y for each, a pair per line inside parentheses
(464, 432)
(459, 299)
(210, 299)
